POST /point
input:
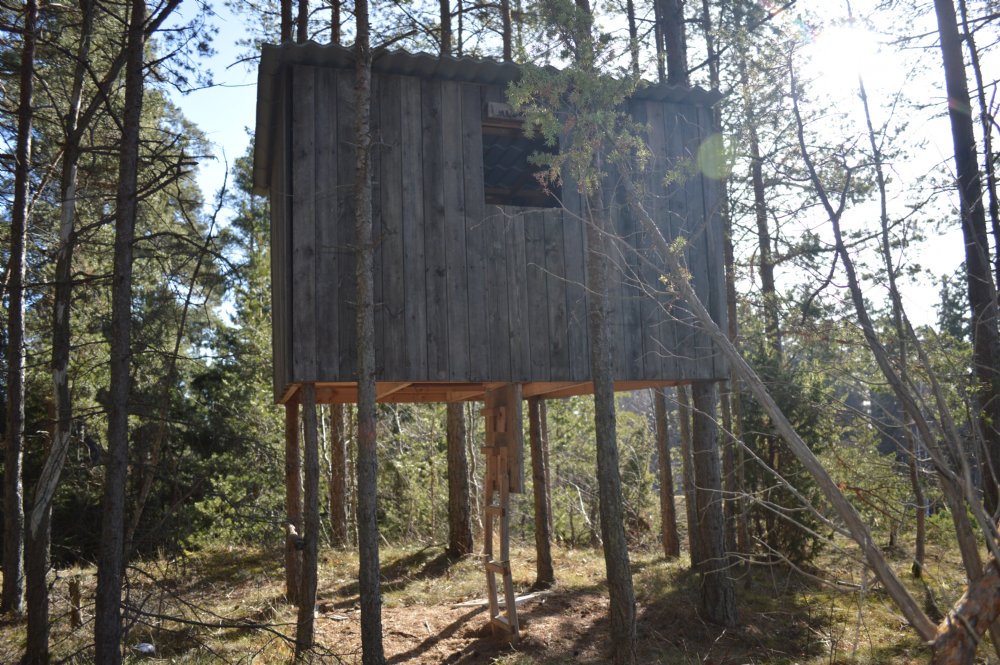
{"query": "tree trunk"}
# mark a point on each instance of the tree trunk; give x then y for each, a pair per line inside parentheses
(13, 560)
(310, 550)
(369, 580)
(508, 35)
(110, 562)
(338, 476)
(38, 533)
(293, 503)
(302, 23)
(668, 514)
(545, 575)
(287, 22)
(981, 289)
(335, 37)
(445, 27)
(616, 559)
(687, 470)
(675, 41)
(718, 598)
(459, 509)
(633, 37)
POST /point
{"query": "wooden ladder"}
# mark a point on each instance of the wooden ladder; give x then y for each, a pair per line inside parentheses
(496, 520)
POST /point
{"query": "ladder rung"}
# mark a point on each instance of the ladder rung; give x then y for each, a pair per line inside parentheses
(498, 567)
(495, 511)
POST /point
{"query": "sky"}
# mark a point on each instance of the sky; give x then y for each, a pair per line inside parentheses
(226, 111)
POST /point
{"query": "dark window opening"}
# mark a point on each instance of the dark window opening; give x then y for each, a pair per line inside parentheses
(510, 178)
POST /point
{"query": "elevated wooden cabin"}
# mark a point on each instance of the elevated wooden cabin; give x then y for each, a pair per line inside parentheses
(479, 272)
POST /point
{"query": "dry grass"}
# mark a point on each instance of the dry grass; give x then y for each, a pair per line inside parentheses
(226, 605)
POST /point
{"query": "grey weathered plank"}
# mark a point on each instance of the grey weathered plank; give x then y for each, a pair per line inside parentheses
(328, 218)
(715, 254)
(394, 319)
(414, 285)
(663, 341)
(475, 232)
(435, 264)
(615, 313)
(346, 280)
(631, 286)
(280, 251)
(697, 242)
(555, 285)
(497, 313)
(303, 225)
(454, 233)
(517, 295)
(577, 334)
(537, 296)
(678, 168)
(375, 168)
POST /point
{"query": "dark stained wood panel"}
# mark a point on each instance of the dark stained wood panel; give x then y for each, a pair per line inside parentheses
(476, 232)
(391, 189)
(303, 226)
(467, 292)
(538, 302)
(456, 268)
(435, 263)
(329, 212)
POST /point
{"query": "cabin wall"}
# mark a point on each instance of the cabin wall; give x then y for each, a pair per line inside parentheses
(466, 291)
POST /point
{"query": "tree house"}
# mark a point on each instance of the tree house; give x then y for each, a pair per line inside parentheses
(479, 271)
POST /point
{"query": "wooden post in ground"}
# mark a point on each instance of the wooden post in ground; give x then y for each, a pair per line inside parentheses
(668, 513)
(293, 502)
(545, 575)
(310, 535)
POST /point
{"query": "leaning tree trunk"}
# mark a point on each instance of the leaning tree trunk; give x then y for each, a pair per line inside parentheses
(718, 597)
(13, 559)
(545, 575)
(369, 581)
(110, 562)
(668, 513)
(616, 559)
(459, 506)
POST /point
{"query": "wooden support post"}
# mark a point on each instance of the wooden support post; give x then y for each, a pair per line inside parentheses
(293, 503)
(310, 551)
(504, 474)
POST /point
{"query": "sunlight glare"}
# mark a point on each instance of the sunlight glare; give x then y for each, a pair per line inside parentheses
(840, 53)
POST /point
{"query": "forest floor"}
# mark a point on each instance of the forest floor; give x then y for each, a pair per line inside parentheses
(226, 605)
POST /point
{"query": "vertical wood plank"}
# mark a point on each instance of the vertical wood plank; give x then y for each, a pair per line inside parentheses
(631, 286)
(616, 317)
(281, 296)
(454, 234)
(303, 224)
(577, 335)
(662, 347)
(678, 170)
(696, 233)
(538, 300)
(713, 193)
(555, 286)
(345, 285)
(377, 232)
(497, 313)
(414, 285)
(517, 295)
(435, 267)
(329, 217)
(394, 321)
(475, 231)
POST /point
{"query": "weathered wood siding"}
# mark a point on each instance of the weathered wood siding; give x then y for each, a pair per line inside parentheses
(466, 291)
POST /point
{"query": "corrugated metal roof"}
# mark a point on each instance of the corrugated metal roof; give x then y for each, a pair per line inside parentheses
(275, 60)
